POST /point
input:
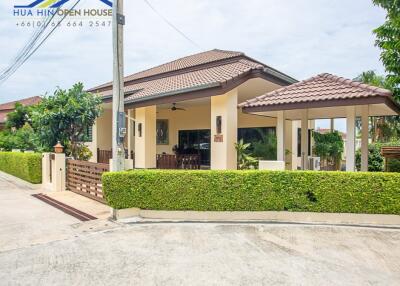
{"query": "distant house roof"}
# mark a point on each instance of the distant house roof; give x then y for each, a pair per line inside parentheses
(8, 107)
(207, 70)
(320, 91)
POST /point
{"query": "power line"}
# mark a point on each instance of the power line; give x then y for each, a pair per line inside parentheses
(172, 25)
(29, 52)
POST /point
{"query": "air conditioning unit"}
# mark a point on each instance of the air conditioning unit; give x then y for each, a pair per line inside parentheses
(314, 163)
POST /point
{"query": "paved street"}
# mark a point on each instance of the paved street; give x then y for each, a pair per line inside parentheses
(40, 245)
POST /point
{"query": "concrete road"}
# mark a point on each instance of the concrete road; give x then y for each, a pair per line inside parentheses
(40, 245)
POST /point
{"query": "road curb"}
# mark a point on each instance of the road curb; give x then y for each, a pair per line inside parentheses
(135, 214)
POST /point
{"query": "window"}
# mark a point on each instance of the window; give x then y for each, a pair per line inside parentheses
(87, 135)
(162, 131)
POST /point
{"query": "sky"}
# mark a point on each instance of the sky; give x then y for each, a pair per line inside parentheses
(298, 37)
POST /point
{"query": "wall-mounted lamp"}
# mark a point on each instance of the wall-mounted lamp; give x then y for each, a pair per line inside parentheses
(140, 129)
(219, 124)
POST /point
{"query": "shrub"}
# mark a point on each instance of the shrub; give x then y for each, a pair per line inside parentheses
(375, 159)
(333, 192)
(22, 165)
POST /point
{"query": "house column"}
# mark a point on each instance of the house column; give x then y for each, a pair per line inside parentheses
(364, 137)
(280, 135)
(224, 124)
(304, 140)
(350, 138)
(131, 132)
(294, 144)
(145, 139)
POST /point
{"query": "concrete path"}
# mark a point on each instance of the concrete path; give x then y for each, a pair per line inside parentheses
(40, 245)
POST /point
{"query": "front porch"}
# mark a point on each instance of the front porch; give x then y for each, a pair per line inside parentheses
(194, 134)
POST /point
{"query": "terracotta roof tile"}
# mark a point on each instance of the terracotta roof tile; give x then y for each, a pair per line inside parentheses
(211, 68)
(319, 88)
(26, 101)
(210, 76)
(8, 107)
(179, 64)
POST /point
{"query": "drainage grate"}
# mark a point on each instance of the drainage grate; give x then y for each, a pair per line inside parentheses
(65, 208)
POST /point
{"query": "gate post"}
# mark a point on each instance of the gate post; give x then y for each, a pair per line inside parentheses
(59, 173)
(46, 170)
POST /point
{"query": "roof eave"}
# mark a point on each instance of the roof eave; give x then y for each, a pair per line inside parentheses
(389, 101)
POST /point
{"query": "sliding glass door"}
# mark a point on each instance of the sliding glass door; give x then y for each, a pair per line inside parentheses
(196, 142)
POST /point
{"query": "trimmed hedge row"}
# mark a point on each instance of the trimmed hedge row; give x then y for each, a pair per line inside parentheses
(333, 192)
(26, 166)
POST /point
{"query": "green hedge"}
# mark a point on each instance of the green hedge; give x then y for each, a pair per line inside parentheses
(26, 166)
(334, 192)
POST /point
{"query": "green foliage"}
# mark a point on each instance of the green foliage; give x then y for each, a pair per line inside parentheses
(387, 39)
(382, 128)
(375, 159)
(244, 159)
(329, 147)
(22, 165)
(19, 117)
(334, 192)
(23, 139)
(65, 117)
(265, 149)
(80, 152)
(394, 165)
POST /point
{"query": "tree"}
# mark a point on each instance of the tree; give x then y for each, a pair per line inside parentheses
(388, 39)
(66, 117)
(383, 128)
(18, 118)
(329, 147)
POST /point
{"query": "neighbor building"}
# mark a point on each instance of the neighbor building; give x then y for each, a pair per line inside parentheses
(9, 107)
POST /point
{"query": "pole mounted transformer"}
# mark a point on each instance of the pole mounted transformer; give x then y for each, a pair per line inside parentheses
(118, 128)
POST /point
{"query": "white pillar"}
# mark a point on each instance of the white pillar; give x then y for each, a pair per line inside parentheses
(46, 171)
(223, 152)
(145, 139)
(280, 135)
(295, 126)
(58, 172)
(332, 124)
(131, 126)
(350, 138)
(364, 137)
(304, 139)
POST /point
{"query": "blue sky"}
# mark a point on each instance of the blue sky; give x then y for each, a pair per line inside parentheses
(299, 37)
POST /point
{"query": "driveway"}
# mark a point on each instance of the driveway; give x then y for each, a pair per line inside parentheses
(40, 245)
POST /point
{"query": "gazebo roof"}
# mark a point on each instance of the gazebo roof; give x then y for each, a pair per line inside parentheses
(323, 90)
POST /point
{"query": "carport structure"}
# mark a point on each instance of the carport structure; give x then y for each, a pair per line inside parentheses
(325, 96)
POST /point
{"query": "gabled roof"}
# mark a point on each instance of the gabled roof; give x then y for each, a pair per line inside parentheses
(8, 107)
(201, 71)
(324, 89)
(26, 102)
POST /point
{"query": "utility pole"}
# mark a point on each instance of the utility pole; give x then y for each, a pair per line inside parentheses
(118, 128)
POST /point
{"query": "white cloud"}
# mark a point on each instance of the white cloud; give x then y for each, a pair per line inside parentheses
(299, 37)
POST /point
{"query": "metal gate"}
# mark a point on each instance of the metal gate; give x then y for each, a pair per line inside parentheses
(84, 178)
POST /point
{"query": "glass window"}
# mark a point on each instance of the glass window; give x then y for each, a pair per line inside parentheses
(162, 131)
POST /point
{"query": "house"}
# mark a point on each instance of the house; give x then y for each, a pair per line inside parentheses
(189, 113)
(8, 107)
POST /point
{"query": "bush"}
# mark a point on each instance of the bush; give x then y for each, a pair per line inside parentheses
(22, 165)
(333, 192)
(375, 159)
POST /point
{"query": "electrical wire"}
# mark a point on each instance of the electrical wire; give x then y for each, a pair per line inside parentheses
(31, 49)
(172, 25)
